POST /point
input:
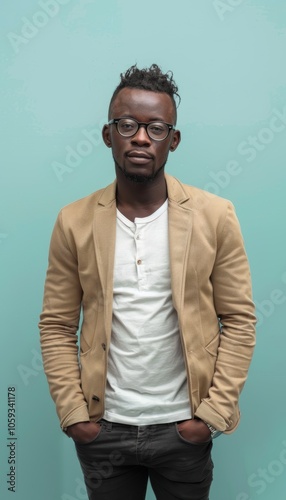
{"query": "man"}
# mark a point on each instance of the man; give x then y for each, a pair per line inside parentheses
(159, 271)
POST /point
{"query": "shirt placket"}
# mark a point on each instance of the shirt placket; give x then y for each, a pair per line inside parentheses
(140, 257)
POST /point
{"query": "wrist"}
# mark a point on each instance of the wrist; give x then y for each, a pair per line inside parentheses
(214, 432)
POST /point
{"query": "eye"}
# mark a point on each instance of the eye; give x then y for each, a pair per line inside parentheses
(127, 125)
(157, 128)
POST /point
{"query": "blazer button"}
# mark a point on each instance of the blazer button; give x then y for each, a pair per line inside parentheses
(103, 346)
(96, 398)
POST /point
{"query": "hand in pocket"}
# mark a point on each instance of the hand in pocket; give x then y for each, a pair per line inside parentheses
(83, 432)
(194, 430)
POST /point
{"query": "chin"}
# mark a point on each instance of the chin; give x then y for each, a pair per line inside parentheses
(139, 178)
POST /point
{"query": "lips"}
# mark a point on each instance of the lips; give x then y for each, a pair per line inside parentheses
(139, 154)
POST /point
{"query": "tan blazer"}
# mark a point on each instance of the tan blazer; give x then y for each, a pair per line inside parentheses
(211, 294)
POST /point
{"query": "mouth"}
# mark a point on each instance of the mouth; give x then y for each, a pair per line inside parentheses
(139, 157)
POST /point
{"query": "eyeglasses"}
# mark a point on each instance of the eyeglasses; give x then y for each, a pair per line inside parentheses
(127, 127)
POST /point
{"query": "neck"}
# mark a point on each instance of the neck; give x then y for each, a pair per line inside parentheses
(140, 199)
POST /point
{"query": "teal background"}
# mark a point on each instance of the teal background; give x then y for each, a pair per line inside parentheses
(228, 59)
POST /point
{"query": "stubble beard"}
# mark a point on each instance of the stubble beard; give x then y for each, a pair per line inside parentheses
(139, 178)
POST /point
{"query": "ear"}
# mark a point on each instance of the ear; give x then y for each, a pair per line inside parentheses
(106, 136)
(176, 139)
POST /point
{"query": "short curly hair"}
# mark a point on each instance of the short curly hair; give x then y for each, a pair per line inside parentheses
(148, 79)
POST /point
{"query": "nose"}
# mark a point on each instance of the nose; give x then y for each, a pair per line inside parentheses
(141, 136)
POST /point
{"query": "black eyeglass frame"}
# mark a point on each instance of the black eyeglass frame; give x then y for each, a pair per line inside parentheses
(115, 121)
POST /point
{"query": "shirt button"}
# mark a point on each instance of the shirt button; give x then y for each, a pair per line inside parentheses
(139, 261)
(138, 237)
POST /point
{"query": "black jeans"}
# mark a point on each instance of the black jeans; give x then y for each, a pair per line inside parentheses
(118, 463)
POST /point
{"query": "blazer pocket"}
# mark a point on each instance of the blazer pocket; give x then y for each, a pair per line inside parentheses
(212, 346)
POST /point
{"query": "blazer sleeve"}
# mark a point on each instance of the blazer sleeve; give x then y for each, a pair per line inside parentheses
(58, 325)
(233, 303)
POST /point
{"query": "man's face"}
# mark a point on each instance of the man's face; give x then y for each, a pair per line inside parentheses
(139, 157)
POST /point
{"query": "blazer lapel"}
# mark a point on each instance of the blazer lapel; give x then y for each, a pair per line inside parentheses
(104, 233)
(180, 232)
